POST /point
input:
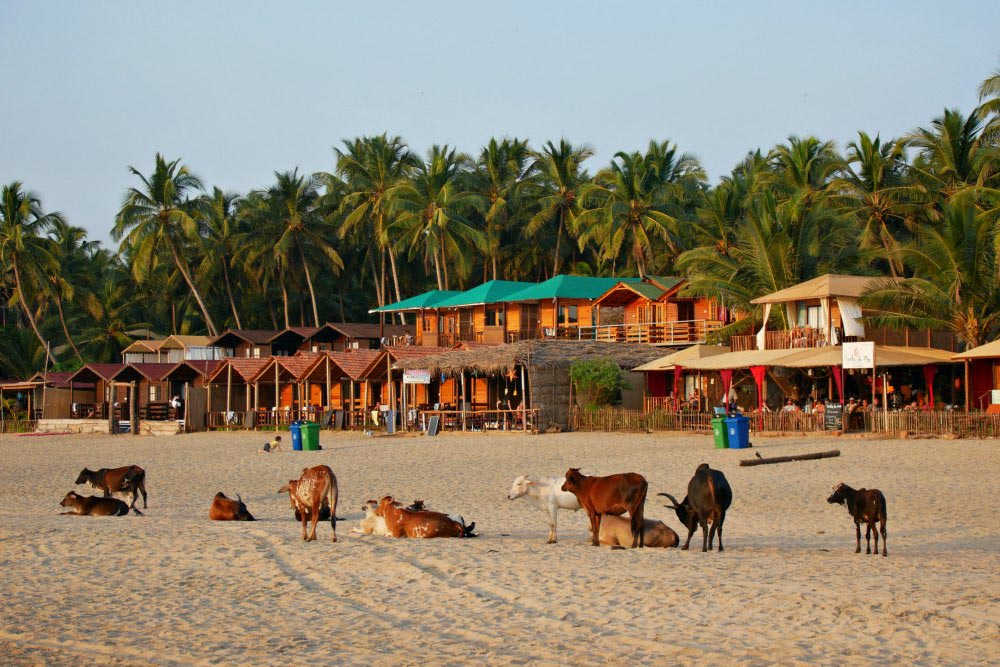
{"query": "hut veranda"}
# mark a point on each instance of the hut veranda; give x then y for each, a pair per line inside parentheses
(541, 367)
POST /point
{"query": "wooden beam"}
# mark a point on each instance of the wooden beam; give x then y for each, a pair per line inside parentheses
(785, 459)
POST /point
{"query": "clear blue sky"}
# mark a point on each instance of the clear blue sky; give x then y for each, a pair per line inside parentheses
(241, 89)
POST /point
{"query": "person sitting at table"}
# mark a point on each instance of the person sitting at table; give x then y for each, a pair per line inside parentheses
(790, 406)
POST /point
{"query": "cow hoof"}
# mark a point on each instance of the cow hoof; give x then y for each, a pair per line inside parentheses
(334, 539)
(858, 550)
(867, 551)
(885, 554)
(551, 542)
(684, 548)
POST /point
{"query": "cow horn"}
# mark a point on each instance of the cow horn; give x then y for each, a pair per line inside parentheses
(283, 489)
(672, 499)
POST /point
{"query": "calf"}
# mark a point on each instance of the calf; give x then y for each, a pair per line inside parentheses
(227, 509)
(617, 532)
(117, 480)
(401, 522)
(548, 495)
(372, 524)
(690, 517)
(864, 505)
(307, 494)
(95, 506)
(614, 494)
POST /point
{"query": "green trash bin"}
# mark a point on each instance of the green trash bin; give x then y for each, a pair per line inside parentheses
(310, 436)
(720, 432)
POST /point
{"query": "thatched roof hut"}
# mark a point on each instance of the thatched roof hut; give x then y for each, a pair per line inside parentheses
(547, 364)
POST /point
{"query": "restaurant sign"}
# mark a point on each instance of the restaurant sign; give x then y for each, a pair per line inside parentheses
(859, 355)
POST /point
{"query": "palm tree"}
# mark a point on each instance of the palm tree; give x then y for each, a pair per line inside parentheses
(874, 194)
(952, 160)
(106, 322)
(373, 168)
(954, 285)
(562, 174)
(429, 206)
(989, 108)
(220, 227)
(70, 250)
(22, 250)
(503, 172)
(160, 214)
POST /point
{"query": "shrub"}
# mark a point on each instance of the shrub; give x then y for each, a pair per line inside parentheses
(597, 382)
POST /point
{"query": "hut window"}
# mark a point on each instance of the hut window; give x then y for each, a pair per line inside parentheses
(568, 314)
(494, 316)
(808, 316)
(427, 323)
(256, 353)
(154, 393)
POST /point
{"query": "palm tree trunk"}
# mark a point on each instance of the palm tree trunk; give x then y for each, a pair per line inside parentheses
(555, 264)
(444, 264)
(395, 282)
(229, 292)
(378, 288)
(62, 320)
(27, 311)
(309, 282)
(284, 298)
(194, 290)
(437, 270)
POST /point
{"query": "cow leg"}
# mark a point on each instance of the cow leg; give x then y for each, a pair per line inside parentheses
(722, 520)
(874, 530)
(704, 535)
(857, 530)
(553, 511)
(107, 492)
(305, 518)
(638, 520)
(595, 528)
(135, 496)
(885, 551)
(142, 490)
(692, 522)
(711, 533)
(314, 515)
(868, 539)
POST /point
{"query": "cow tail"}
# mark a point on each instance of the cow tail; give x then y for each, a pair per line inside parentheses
(638, 515)
(334, 493)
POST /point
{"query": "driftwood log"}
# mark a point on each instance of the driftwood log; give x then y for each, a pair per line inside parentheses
(786, 459)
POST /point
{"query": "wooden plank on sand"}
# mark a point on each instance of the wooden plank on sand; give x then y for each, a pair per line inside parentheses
(785, 459)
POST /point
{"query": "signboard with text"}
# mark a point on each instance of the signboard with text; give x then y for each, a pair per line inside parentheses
(416, 376)
(858, 355)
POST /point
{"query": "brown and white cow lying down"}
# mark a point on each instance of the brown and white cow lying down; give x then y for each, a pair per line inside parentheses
(95, 506)
(371, 524)
(402, 522)
(308, 492)
(127, 479)
(227, 509)
(616, 531)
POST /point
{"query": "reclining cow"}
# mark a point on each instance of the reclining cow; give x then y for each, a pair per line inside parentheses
(548, 495)
(865, 506)
(227, 509)
(308, 492)
(95, 505)
(128, 479)
(372, 523)
(616, 531)
(709, 496)
(402, 522)
(614, 495)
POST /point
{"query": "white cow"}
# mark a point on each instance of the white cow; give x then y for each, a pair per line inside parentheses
(372, 524)
(548, 495)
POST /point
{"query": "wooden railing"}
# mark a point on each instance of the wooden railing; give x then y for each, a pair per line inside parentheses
(481, 420)
(89, 411)
(682, 332)
(805, 337)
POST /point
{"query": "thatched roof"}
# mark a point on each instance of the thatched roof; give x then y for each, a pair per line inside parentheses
(546, 353)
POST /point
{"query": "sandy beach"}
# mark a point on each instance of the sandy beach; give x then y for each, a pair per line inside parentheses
(172, 587)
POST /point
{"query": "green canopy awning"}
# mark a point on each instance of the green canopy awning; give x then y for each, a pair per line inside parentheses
(426, 300)
(495, 291)
(568, 287)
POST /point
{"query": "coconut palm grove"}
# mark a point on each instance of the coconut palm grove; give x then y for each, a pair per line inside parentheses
(385, 223)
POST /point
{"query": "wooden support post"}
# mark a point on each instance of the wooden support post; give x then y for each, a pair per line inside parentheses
(966, 386)
(229, 392)
(464, 399)
(70, 399)
(45, 378)
(208, 406)
(277, 395)
(524, 400)
(329, 400)
(186, 395)
(246, 397)
(350, 409)
(2, 418)
(256, 403)
(109, 392)
(133, 408)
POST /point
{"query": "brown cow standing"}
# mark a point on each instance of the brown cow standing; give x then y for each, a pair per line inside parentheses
(117, 480)
(227, 509)
(402, 522)
(307, 494)
(95, 505)
(866, 506)
(614, 494)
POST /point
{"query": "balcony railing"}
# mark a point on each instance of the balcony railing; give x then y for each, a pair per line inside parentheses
(684, 332)
(805, 337)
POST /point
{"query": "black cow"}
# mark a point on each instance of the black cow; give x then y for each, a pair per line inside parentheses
(128, 479)
(865, 505)
(709, 496)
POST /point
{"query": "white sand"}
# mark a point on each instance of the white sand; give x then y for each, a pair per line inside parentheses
(173, 587)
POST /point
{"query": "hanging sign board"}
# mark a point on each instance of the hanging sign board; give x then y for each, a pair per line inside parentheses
(859, 355)
(833, 417)
(416, 376)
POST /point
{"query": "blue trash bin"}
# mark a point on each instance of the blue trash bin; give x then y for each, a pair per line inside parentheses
(295, 428)
(738, 428)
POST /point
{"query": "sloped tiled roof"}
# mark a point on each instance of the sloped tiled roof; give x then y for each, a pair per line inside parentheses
(202, 367)
(255, 336)
(821, 287)
(150, 372)
(103, 371)
(182, 341)
(354, 363)
(247, 369)
(493, 291)
(145, 346)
